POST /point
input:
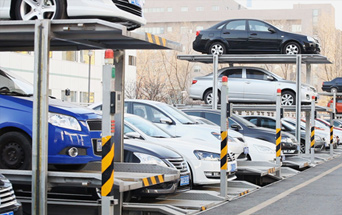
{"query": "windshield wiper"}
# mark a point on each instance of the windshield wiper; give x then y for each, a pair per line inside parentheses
(189, 123)
(13, 93)
(159, 136)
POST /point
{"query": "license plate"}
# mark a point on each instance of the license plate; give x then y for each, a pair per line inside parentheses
(184, 180)
(246, 150)
(8, 213)
(98, 146)
(289, 151)
(135, 2)
(233, 167)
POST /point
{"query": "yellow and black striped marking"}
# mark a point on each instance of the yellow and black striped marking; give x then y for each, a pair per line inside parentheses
(244, 193)
(312, 137)
(155, 39)
(224, 150)
(203, 208)
(272, 170)
(278, 139)
(153, 180)
(331, 134)
(107, 166)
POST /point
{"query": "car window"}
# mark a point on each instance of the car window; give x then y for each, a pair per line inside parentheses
(339, 100)
(267, 123)
(178, 114)
(255, 74)
(236, 25)
(98, 107)
(254, 121)
(147, 127)
(232, 122)
(215, 118)
(258, 26)
(127, 129)
(232, 73)
(148, 112)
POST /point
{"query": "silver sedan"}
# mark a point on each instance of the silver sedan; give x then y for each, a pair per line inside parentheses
(251, 85)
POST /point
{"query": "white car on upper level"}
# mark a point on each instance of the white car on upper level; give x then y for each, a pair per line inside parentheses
(125, 12)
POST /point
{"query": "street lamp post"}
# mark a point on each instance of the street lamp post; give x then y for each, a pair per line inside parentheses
(90, 53)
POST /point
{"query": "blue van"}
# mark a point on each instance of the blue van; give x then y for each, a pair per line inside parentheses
(74, 131)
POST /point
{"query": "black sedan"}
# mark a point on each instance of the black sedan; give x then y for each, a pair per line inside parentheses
(333, 86)
(252, 36)
(289, 143)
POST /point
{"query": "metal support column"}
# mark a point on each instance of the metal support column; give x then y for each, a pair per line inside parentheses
(278, 131)
(40, 117)
(332, 116)
(298, 96)
(224, 137)
(312, 133)
(108, 113)
(308, 74)
(308, 122)
(215, 84)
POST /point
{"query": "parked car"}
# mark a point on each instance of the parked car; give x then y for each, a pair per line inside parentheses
(250, 85)
(180, 124)
(270, 122)
(333, 86)
(338, 104)
(288, 141)
(70, 128)
(252, 36)
(203, 158)
(8, 202)
(324, 125)
(126, 12)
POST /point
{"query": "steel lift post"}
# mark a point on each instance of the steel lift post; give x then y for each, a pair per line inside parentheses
(278, 131)
(312, 133)
(224, 137)
(298, 95)
(215, 83)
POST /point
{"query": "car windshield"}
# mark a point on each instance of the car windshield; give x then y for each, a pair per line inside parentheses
(321, 124)
(10, 84)
(179, 115)
(147, 127)
(288, 125)
(245, 122)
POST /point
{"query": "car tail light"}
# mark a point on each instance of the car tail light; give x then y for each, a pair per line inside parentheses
(197, 33)
(194, 81)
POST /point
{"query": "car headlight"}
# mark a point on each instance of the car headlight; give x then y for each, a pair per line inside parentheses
(207, 156)
(318, 138)
(310, 39)
(149, 159)
(64, 121)
(306, 88)
(264, 149)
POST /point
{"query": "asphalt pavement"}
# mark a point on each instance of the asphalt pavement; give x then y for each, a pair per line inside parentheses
(317, 190)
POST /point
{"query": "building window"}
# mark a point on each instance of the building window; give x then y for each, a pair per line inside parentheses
(184, 9)
(184, 30)
(85, 57)
(169, 9)
(71, 98)
(70, 56)
(169, 29)
(215, 8)
(84, 97)
(155, 30)
(199, 8)
(296, 28)
(132, 60)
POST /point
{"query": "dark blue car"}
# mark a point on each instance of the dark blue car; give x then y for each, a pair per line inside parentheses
(73, 130)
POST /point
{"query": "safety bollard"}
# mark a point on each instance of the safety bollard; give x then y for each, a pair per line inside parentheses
(224, 137)
(278, 131)
(312, 136)
(331, 140)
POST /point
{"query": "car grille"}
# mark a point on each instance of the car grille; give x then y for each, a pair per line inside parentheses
(180, 165)
(231, 157)
(128, 7)
(7, 197)
(95, 125)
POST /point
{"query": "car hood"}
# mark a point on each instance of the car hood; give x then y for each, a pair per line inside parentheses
(142, 146)
(253, 141)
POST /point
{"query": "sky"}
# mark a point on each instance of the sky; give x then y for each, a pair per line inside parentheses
(287, 4)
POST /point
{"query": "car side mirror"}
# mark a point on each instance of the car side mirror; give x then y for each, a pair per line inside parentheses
(270, 29)
(270, 78)
(236, 127)
(166, 121)
(133, 135)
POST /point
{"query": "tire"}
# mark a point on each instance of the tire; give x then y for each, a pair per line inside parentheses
(288, 98)
(15, 151)
(217, 48)
(333, 90)
(69, 166)
(291, 48)
(208, 97)
(302, 146)
(25, 11)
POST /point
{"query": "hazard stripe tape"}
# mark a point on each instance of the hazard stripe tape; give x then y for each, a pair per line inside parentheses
(278, 139)
(153, 180)
(272, 170)
(224, 150)
(107, 166)
(312, 137)
(331, 134)
(203, 208)
(244, 193)
(155, 39)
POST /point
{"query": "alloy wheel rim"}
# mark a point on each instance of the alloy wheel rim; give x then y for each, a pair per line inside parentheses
(32, 9)
(287, 99)
(210, 98)
(217, 50)
(292, 49)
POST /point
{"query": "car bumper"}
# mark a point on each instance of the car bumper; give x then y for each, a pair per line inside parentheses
(311, 48)
(15, 209)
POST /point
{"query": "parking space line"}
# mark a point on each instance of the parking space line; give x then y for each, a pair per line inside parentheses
(284, 194)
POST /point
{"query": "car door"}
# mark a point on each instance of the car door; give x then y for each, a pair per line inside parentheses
(261, 39)
(258, 86)
(235, 33)
(235, 91)
(338, 84)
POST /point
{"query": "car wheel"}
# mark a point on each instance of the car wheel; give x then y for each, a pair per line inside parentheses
(302, 146)
(292, 48)
(69, 166)
(208, 97)
(333, 90)
(288, 98)
(31, 9)
(15, 151)
(217, 48)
